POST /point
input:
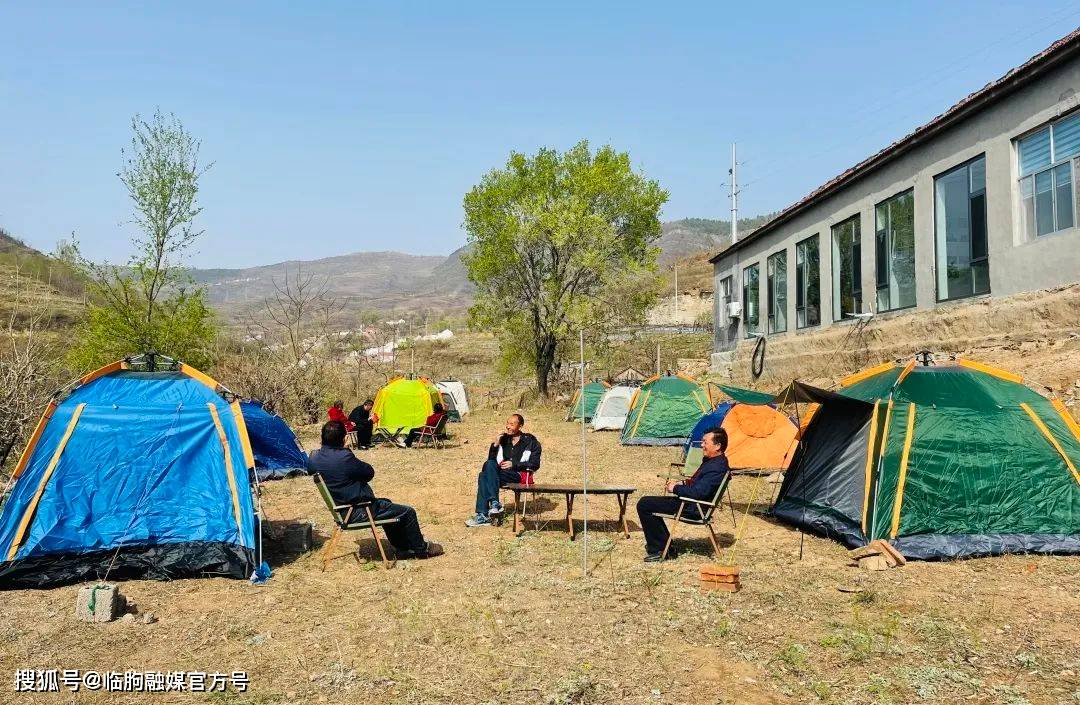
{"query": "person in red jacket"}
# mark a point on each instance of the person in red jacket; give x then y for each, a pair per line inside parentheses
(337, 413)
(433, 420)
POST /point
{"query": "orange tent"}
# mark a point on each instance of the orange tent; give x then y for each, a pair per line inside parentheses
(759, 437)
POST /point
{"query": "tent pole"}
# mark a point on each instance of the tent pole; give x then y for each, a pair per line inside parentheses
(584, 466)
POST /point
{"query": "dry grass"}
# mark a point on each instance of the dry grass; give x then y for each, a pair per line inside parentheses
(501, 619)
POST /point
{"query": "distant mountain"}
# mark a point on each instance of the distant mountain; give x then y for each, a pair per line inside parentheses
(691, 236)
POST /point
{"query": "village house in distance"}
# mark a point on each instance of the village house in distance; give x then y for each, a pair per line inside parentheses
(979, 202)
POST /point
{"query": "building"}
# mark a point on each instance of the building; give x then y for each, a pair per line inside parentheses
(980, 201)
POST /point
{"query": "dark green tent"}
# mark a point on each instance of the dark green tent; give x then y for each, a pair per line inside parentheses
(664, 410)
(585, 405)
(942, 461)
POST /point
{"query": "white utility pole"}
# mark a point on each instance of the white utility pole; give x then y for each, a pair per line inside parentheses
(734, 197)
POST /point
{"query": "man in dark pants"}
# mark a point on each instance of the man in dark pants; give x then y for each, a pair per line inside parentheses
(347, 478)
(701, 486)
(509, 455)
(361, 416)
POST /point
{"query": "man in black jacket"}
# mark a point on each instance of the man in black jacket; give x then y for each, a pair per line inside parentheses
(701, 486)
(347, 478)
(361, 416)
(510, 454)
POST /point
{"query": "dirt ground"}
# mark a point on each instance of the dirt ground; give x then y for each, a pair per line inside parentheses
(500, 619)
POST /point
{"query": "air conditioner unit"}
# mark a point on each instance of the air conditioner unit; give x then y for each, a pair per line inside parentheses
(734, 309)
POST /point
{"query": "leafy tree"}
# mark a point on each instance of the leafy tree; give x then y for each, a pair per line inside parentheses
(151, 304)
(561, 242)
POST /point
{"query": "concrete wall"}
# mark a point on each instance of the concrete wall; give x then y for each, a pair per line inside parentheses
(1015, 264)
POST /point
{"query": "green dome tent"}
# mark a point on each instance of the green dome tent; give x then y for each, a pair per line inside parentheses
(585, 404)
(664, 410)
(942, 461)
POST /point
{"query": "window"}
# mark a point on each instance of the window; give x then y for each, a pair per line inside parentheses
(776, 270)
(963, 262)
(807, 283)
(847, 269)
(723, 296)
(1047, 161)
(894, 241)
(750, 296)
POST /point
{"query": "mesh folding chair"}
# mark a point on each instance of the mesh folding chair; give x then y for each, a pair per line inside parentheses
(704, 516)
(344, 521)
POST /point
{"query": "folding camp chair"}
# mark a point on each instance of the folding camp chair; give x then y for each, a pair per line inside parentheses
(350, 439)
(385, 435)
(706, 509)
(694, 457)
(434, 435)
(345, 522)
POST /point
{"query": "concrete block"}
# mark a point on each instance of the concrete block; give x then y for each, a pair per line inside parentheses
(99, 603)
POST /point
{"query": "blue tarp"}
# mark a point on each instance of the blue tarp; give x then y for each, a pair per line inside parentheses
(277, 452)
(141, 489)
(712, 418)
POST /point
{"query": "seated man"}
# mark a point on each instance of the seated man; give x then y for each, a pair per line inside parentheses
(701, 486)
(347, 478)
(509, 455)
(364, 420)
(432, 420)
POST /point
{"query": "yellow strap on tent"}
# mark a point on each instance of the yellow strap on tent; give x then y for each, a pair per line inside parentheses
(1053, 441)
(28, 515)
(905, 372)
(641, 412)
(201, 376)
(1067, 417)
(888, 420)
(245, 440)
(869, 464)
(228, 464)
(704, 407)
(990, 370)
(867, 373)
(903, 471)
(34, 438)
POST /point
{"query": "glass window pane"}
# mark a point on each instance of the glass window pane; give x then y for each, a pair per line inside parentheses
(902, 252)
(779, 293)
(1027, 207)
(978, 227)
(1044, 203)
(813, 283)
(1067, 138)
(977, 171)
(881, 245)
(751, 298)
(1034, 152)
(952, 215)
(847, 289)
(1063, 197)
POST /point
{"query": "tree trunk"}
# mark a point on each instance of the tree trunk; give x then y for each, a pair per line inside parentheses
(545, 361)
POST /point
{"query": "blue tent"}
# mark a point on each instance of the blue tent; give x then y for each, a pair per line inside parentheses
(277, 452)
(132, 474)
(709, 420)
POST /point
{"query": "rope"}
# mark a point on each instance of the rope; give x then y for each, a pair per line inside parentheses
(746, 515)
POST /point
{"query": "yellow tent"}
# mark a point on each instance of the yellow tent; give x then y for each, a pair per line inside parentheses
(405, 403)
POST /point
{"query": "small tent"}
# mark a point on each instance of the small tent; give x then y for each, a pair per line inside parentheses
(132, 473)
(277, 451)
(943, 461)
(453, 393)
(611, 411)
(759, 436)
(405, 403)
(664, 410)
(585, 401)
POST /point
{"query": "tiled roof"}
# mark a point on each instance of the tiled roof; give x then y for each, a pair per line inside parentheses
(991, 92)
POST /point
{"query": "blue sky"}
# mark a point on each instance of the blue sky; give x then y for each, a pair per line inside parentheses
(339, 127)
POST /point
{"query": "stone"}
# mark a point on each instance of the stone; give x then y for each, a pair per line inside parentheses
(875, 562)
(149, 618)
(99, 603)
(128, 618)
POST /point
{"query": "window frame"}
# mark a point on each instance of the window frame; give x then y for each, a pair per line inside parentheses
(856, 280)
(877, 285)
(804, 290)
(771, 292)
(937, 285)
(756, 266)
(1050, 170)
